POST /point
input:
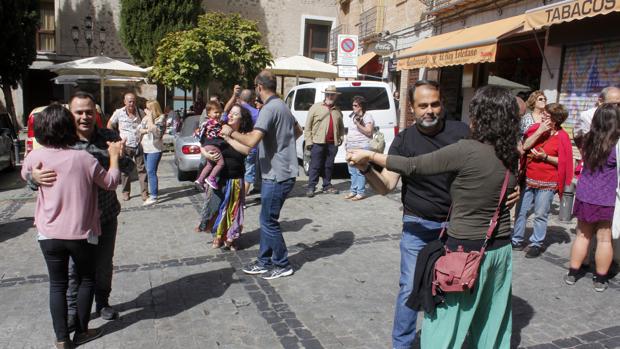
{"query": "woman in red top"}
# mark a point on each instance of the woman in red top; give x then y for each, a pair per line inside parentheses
(548, 164)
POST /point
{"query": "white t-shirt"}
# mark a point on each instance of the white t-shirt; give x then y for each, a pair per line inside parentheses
(584, 121)
(355, 138)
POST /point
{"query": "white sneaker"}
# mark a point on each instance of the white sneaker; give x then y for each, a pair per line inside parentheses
(149, 201)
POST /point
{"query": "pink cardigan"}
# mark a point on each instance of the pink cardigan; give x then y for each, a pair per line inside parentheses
(68, 209)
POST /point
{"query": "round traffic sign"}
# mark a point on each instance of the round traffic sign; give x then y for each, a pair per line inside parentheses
(347, 45)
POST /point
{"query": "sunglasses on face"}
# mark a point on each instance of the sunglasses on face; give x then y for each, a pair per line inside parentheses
(432, 105)
(542, 99)
(356, 105)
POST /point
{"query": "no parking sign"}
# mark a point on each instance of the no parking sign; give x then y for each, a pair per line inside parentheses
(347, 50)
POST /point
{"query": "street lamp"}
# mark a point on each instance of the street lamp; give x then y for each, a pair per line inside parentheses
(88, 35)
(102, 38)
(88, 31)
(75, 35)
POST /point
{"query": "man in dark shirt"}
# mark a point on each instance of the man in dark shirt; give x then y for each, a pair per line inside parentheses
(426, 199)
(94, 141)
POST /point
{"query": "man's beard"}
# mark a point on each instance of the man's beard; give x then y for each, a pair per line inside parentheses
(329, 102)
(430, 123)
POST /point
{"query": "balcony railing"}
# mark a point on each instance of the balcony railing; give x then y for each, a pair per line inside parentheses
(371, 22)
(333, 36)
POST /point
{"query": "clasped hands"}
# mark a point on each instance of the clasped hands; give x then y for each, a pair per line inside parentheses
(359, 158)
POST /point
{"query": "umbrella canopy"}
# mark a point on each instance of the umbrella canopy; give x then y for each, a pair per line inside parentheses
(101, 66)
(110, 80)
(511, 85)
(300, 66)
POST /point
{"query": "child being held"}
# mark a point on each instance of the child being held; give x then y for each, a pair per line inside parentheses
(208, 134)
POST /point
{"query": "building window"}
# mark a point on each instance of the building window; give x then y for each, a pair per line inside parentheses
(316, 41)
(46, 35)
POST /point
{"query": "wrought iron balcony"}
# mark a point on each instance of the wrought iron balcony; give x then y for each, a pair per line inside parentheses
(371, 22)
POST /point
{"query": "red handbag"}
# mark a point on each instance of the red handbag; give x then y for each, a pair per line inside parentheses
(457, 271)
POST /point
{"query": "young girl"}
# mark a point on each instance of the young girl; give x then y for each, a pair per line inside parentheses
(211, 142)
(596, 195)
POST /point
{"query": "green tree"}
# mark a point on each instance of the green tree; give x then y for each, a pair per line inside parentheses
(145, 22)
(19, 20)
(223, 47)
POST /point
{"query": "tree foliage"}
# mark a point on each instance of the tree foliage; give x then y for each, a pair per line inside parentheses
(19, 20)
(223, 47)
(145, 22)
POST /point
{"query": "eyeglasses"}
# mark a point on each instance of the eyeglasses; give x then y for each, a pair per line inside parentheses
(432, 105)
(235, 114)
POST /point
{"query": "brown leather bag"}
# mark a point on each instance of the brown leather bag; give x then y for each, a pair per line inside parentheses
(457, 271)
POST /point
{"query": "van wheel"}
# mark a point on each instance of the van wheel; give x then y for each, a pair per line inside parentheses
(306, 161)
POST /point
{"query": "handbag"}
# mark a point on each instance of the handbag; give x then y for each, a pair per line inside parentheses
(457, 271)
(377, 143)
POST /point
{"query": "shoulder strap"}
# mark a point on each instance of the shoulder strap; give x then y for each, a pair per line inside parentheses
(495, 218)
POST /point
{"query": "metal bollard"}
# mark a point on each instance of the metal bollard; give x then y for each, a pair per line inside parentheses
(566, 204)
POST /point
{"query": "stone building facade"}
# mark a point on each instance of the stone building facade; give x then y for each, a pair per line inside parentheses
(285, 24)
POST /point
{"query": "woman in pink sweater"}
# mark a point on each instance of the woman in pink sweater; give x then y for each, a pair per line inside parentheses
(67, 216)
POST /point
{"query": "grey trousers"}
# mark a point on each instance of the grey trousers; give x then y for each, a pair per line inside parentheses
(103, 269)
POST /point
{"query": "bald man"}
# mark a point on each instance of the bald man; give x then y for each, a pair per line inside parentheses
(610, 94)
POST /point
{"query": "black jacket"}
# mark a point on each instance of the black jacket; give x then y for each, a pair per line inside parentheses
(421, 298)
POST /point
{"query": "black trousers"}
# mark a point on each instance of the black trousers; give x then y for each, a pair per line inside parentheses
(103, 269)
(56, 253)
(321, 164)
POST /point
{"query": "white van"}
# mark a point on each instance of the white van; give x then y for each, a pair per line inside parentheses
(380, 105)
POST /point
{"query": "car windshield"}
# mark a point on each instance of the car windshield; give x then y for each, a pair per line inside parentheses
(190, 124)
(377, 97)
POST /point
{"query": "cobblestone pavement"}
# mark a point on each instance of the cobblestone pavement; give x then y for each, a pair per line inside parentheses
(174, 291)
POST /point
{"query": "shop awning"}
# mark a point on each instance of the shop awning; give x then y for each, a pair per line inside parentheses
(477, 44)
(365, 58)
(567, 11)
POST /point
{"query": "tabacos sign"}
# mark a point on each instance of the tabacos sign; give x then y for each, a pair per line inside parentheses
(568, 11)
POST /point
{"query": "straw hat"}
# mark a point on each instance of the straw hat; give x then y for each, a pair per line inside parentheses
(331, 89)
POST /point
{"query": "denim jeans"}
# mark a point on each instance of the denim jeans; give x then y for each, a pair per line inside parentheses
(417, 232)
(321, 164)
(151, 161)
(358, 181)
(273, 250)
(250, 166)
(57, 253)
(103, 269)
(541, 201)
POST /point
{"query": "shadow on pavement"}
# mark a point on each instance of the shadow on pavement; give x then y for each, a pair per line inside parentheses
(555, 235)
(522, 314)
(15, 228)
(252, 238)
(172, 298)
(337, 244)
(170, 194)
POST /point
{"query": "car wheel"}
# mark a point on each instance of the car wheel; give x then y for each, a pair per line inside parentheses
(13, 163)
(306, 162)
(183, 176)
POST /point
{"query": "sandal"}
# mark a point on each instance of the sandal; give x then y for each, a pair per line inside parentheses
(217, 243)
(198, 230)
(358, 197)
(230, 244)
(349, 196)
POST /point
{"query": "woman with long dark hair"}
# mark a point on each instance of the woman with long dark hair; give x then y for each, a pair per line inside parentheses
(596, 195)
(67, 216)
(479, 164)
(222, 214)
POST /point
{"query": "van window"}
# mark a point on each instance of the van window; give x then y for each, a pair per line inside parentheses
(304, 98)
(289, 99)
(377, 97)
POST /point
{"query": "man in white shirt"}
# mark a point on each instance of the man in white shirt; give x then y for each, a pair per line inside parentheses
(127, 120)
(610, 94)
